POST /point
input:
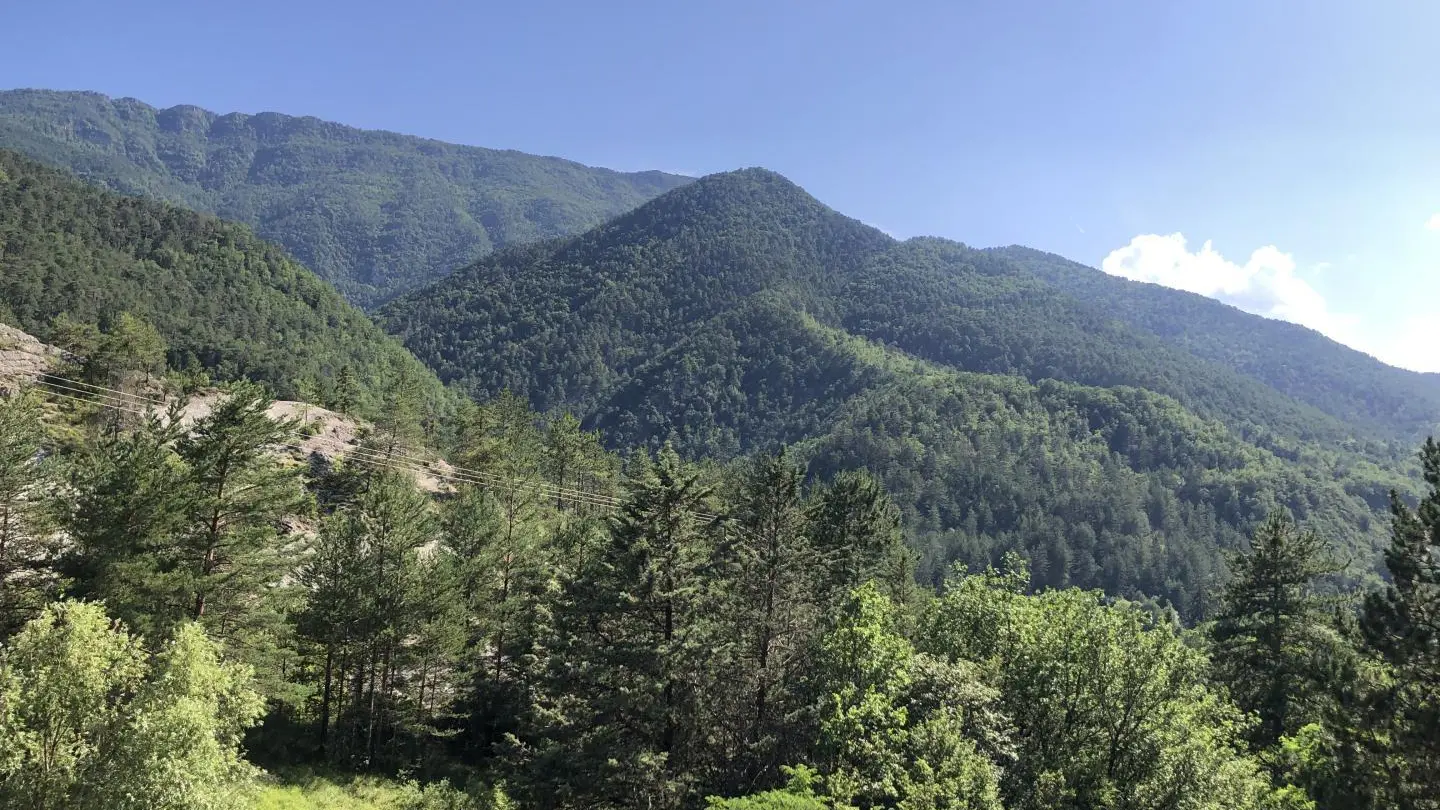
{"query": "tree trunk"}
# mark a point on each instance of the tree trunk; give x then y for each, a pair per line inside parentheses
(325, 699)
(370, 717)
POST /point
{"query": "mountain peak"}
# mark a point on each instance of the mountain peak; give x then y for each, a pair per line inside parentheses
(752, 180)
(752, 173)
(753, 200)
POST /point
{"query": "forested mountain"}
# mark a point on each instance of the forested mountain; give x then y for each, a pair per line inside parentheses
(563, 322)
(738, 313)
(669, 636)
(881, 525)
(97, 272)
(1300, 362)
(374, 213)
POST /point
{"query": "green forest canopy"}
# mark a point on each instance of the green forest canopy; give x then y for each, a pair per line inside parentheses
(730, 638)
(222, 300)
(1300, 362)
(739, 631)
(738, 313)
(374, 213)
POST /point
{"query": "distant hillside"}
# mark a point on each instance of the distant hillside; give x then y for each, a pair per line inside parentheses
(566, 322)
(222, 299)
(739, 313)
(374, 213)
(1300, 362)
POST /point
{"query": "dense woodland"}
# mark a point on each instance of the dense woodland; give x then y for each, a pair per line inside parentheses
(738, 314)
(1297, 361)
(82, 268)
(373, 213)
(567, 321)
(730, 632)
(747, 506)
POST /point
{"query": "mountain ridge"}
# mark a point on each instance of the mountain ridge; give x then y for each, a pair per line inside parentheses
(222, 300)
(374, 212)
(1343, 385)
(733, 233)
(739, 313)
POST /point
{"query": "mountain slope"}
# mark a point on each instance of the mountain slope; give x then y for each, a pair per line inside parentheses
(1302, 363)
(965, 309)
(374, 213)
(222, 299)
(1117, 488)
(565, 322)
(738, 313)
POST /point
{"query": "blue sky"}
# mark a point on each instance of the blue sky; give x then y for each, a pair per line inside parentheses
(1281, 155)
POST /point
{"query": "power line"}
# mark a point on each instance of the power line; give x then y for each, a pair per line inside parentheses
(127, 402)
(460, 473)
(394, 462)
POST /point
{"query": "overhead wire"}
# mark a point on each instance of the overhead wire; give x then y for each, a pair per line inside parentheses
(393, 461)
(116, 399)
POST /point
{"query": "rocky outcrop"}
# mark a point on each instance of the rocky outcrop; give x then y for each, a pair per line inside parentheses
(23, 358)
(320, 432)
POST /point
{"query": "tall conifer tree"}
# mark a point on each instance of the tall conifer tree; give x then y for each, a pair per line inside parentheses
(1274, 633)
(1401, 626)
(28, 511)
(617, 713)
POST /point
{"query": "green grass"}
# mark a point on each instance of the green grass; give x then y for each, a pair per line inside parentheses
(309, 791)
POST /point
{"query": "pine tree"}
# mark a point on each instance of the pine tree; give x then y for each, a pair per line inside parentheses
(770, 606)
(434, 671)
(369, 598)
(505, 558)
(28, 512)
(573, 458)
(79, 338)
(334, 617)
(856, 530)
(1401, 626)
(616, 718)
(131, 500)
(1273, 633)
(124, 356)
(345, 394)
(502, 577)
(501, 440)
(399, 425)
(227, 563)
(309, 391)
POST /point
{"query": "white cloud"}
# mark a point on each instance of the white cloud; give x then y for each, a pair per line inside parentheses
(1267, 284)
(1433, 223)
